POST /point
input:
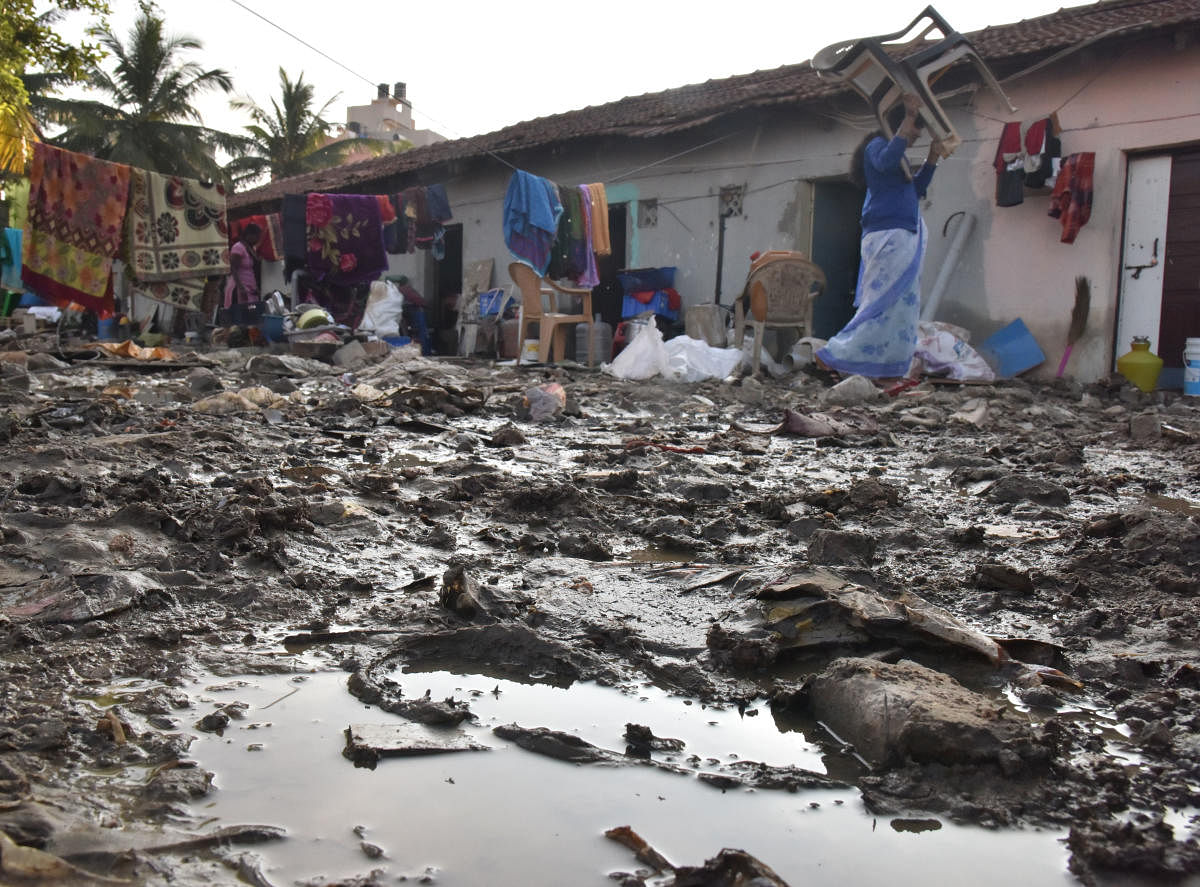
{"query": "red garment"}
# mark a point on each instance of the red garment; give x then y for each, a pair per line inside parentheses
(270, 244)
(1010, 145)
(387, 212)
(1071, 199)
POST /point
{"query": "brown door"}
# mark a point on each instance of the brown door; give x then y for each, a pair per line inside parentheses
(1181, 258)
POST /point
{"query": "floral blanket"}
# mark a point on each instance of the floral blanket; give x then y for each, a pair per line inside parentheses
(345, 238)
(76, 210)
(177, 228)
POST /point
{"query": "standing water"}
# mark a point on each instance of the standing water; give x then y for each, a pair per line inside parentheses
(508, 816)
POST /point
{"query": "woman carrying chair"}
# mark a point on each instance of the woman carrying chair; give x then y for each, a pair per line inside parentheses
(879, 341)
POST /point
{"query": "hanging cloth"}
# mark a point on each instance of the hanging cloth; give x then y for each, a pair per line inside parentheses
(1010, 167)
(295, 234)
(76, 218)
(1042, 148)
(10, 261)
(531, 213)
(270, 244)
(588, 277)
(177, 228)
(600, 241)
(345, 238)
(1071, 199)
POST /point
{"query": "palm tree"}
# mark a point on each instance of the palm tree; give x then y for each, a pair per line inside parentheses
(150, 119)
(292, 138)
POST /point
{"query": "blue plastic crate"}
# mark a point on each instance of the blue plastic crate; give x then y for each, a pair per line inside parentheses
(490, 302)
(660, 304)
(636, 280)
(1011, 350)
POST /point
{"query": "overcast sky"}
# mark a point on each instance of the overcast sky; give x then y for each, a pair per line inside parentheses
(474, 66)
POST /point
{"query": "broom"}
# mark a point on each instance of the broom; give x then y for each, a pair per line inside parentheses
(1079, 317)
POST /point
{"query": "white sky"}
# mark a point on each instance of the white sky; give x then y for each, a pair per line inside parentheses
(474, 66)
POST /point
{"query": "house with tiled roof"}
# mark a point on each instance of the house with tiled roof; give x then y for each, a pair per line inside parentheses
(700, 177)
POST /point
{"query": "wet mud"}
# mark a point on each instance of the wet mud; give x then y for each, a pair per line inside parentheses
(982, 600)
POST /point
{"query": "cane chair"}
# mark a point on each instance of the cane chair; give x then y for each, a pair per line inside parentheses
(781, 288)
(552, 324)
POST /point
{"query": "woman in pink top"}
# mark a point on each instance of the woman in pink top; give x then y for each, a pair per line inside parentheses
(242, 283)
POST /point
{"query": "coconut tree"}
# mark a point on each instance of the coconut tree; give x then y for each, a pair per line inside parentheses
(147, 115)
(293, 137)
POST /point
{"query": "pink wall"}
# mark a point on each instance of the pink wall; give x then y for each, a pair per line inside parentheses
(1144, 96)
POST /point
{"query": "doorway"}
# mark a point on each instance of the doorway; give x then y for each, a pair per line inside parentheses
(836, 237)
(447, 289)
(607, 295)
(1160, 258)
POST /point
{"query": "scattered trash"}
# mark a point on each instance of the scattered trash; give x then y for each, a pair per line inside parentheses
(544, 401)
(366, 744)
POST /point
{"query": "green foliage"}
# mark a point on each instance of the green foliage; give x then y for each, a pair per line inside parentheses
(291, 137)
(30, 41)
(148, 118)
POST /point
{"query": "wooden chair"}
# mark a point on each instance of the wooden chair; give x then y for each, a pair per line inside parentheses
(781, 288)
(881, 69)
(552, 324)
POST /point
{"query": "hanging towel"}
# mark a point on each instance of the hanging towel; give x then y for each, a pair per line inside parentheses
(1071, 199)
(600, 241)
(295, 234)
(1010, 167)
(10, 265)
(531, 213)
(177, 228)
(345, 238)
(438, 203)
(589, 277)
(76, 216)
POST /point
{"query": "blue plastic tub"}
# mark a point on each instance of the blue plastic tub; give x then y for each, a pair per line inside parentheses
(272, 327)
(397, 341)
(1011, 350)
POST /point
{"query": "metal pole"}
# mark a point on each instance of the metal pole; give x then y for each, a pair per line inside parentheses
(720, 257)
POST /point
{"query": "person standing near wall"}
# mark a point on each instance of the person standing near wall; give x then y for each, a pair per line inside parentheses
(242, 284)
(880, 339)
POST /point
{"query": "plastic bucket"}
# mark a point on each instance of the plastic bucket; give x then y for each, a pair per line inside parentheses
(106, 329)
(272, 327)
(1191, 367)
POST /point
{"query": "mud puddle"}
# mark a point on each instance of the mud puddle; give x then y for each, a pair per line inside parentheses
(507, 816)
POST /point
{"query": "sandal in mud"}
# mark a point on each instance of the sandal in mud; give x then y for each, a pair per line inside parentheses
(900, 386)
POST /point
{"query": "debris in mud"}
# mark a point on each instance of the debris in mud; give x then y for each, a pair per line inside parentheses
(1144, 846)
(366, 744)
(894, 713)
(818, 608)
(729, 868)
(555, 744)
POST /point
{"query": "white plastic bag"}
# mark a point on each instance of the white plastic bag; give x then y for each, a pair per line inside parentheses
(942, 351)
(643, 358)
(381, 315)
(693, 360)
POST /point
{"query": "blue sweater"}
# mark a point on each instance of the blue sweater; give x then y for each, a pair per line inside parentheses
(892, 201)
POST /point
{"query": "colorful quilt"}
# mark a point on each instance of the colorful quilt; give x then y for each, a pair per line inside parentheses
(345, 238)
(187, 294)
(76, 212)
(177, 228)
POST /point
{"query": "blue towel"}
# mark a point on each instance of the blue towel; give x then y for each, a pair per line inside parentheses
(531, 213)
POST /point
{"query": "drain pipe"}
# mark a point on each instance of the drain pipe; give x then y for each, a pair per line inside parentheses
(961, 233)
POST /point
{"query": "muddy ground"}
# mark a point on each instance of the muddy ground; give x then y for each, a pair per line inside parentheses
(944, 580)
